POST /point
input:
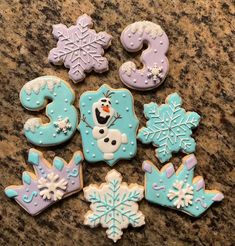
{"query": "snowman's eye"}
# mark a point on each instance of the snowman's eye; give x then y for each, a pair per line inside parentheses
(102, 104)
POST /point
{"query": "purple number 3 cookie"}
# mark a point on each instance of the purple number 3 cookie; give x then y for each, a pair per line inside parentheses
(155, 62)
(80, 48)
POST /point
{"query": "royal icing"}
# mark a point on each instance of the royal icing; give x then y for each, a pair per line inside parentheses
(114, 205)
(169, 127)
(50, 184)
(155, 63)
(80, 48)
(179, 190)
(61, 112)
(108, 125)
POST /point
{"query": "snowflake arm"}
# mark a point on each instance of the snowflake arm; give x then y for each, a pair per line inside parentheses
(169, 127)
(113, 205)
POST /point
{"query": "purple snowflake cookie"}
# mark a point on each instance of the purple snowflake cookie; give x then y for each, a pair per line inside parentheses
(80, 48)
(154, 58)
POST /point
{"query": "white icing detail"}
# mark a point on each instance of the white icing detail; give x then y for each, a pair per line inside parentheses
(155, 72)
(37, 84)
(51, 187)
(63, 125)
(105, 109)
(128, 68)
(32, 124)
(182, 195)
(109, 141)
(108, 156)
(148, 27)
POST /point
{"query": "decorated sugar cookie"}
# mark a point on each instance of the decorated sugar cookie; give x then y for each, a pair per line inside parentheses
(50, 184)
(169, 127)
(108, 125)
(155, 63)
(80, 48)
(179, 190)
(62, 114)
(114, 205)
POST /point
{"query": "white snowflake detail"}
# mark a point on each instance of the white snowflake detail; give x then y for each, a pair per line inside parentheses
(63, 125)
(169, 127)
(52, 187)
(155, 72)
(80, 48)
(113, 205)
(182, 195)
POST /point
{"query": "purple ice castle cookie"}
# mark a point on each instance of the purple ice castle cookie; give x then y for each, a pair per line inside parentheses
(50, 184)
(155, 63)
(80, 48)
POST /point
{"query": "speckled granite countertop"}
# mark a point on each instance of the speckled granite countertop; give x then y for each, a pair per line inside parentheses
(201, 70)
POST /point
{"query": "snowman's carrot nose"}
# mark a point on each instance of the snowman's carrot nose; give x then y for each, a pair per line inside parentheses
(106, 108)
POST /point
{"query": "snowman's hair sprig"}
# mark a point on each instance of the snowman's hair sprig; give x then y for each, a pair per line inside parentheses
(108, 94)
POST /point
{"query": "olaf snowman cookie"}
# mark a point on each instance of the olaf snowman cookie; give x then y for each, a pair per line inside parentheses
(108, 125)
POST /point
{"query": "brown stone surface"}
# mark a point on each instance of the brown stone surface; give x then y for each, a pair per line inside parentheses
(201, 57)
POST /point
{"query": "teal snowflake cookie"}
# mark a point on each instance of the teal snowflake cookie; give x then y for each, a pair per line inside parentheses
(169, 127)
(108, 125)
(114, 205)
(179, 190)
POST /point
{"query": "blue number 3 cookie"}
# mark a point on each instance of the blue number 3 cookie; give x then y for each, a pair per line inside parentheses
(108, 125)
(62, 114)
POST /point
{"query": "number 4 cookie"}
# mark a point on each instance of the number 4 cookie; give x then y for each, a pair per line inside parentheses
(108, 125)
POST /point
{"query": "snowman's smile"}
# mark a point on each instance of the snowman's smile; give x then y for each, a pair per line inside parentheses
(100, 119)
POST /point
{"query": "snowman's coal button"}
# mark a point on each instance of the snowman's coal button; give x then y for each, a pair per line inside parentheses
(114, 142)
(101, 131)
(106, 140)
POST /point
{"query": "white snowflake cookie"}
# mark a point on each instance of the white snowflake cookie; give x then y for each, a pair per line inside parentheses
(80, 48)
(114, 205)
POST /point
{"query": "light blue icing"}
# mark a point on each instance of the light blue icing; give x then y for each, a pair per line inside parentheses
(29, 198)
(34, 95)
(73, 173)
(26, 178)
(122, 103)
(33, 157)
(77, 158)
(58, 163)
(169, 127)
(11, 193)
(158, 187)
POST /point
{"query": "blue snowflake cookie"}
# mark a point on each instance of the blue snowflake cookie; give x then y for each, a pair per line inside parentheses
(169, 127)
(108, 125)
(179, 190)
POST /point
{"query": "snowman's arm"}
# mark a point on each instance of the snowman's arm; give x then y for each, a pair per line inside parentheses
(85, 121)
(116, 117)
